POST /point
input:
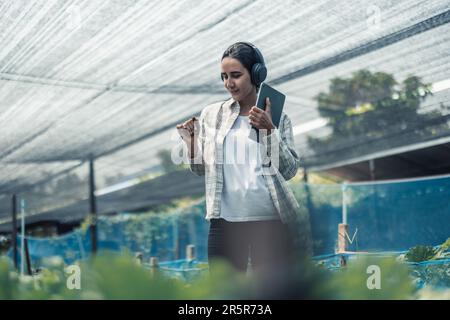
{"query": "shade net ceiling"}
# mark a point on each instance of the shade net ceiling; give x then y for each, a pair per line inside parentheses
(111, 79)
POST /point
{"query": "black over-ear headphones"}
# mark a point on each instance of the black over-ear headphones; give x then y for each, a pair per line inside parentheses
(259, 71)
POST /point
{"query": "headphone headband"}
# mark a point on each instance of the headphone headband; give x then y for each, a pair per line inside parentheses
(255, 49)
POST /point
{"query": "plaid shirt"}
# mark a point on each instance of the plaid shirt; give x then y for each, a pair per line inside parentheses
(215, 122)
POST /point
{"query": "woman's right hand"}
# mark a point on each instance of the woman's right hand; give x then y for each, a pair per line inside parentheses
(189, 129)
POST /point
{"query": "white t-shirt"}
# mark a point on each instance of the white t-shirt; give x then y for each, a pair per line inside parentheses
(245, 196)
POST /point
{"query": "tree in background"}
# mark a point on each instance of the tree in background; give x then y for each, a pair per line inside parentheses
(372, 107)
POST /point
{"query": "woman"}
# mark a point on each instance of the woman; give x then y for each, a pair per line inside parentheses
(248, 202)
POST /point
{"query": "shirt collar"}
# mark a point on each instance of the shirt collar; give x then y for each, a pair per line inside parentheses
(229, 102)
(232, 104)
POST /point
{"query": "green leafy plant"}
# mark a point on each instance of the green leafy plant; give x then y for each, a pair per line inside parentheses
(420, 253)
(424, 253)
(443, 251)
(113, 276)
(446, 245)
(352, 282)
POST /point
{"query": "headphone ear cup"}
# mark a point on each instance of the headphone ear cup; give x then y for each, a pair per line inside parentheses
(262, 73)
(259, 73)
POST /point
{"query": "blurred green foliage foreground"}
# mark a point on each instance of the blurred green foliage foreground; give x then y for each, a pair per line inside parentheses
(113, 276)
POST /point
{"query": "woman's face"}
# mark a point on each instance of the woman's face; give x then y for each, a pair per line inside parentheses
(236, 79)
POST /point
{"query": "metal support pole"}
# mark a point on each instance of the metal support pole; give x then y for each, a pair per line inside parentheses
(14, 229)
(343, 227)
(298, 242)
(305, 176)
(176, 239)
(93, 205)
(22, 237)
(344, 202)
(27, 257)
(372, 169)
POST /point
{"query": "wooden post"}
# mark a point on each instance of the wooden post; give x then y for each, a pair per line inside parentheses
(342, 261)
(190, 252)
(154, 264)
(342, 237)
(342, 242)
(138, 257)
(93, 205)
(14, 229)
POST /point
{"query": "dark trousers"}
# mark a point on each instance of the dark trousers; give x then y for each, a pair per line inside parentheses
(268, 244)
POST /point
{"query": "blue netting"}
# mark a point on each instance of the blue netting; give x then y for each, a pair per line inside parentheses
(164, 235)
(324, 205)
(387, 217)
(434, 273)
(390, 216)
(397, 216)
(70, 247)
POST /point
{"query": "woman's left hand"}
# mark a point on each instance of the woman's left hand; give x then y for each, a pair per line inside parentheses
(261, 119)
